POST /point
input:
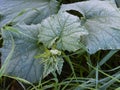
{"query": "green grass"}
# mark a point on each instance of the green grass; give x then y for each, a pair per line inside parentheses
(80, 72)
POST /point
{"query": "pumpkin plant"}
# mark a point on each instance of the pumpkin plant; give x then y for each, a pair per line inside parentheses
(41, 32)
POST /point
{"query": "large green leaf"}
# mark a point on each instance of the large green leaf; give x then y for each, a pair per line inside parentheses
(102, 20)
(22, 64)
(29, 11)
(63, 31)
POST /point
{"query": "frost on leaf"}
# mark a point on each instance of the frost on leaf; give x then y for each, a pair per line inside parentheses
(52, 61)
(102, 20)
(28, 11)
(52, 64)
(22, 64)
(63, 31)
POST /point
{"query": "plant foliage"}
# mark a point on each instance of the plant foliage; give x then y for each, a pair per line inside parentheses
(43, 33)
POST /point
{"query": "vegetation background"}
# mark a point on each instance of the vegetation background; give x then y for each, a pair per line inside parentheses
(80, 72)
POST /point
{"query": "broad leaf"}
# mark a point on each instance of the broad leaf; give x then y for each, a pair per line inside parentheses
(29, 11)
(63, 31)
(102, 20)
(22, 64)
